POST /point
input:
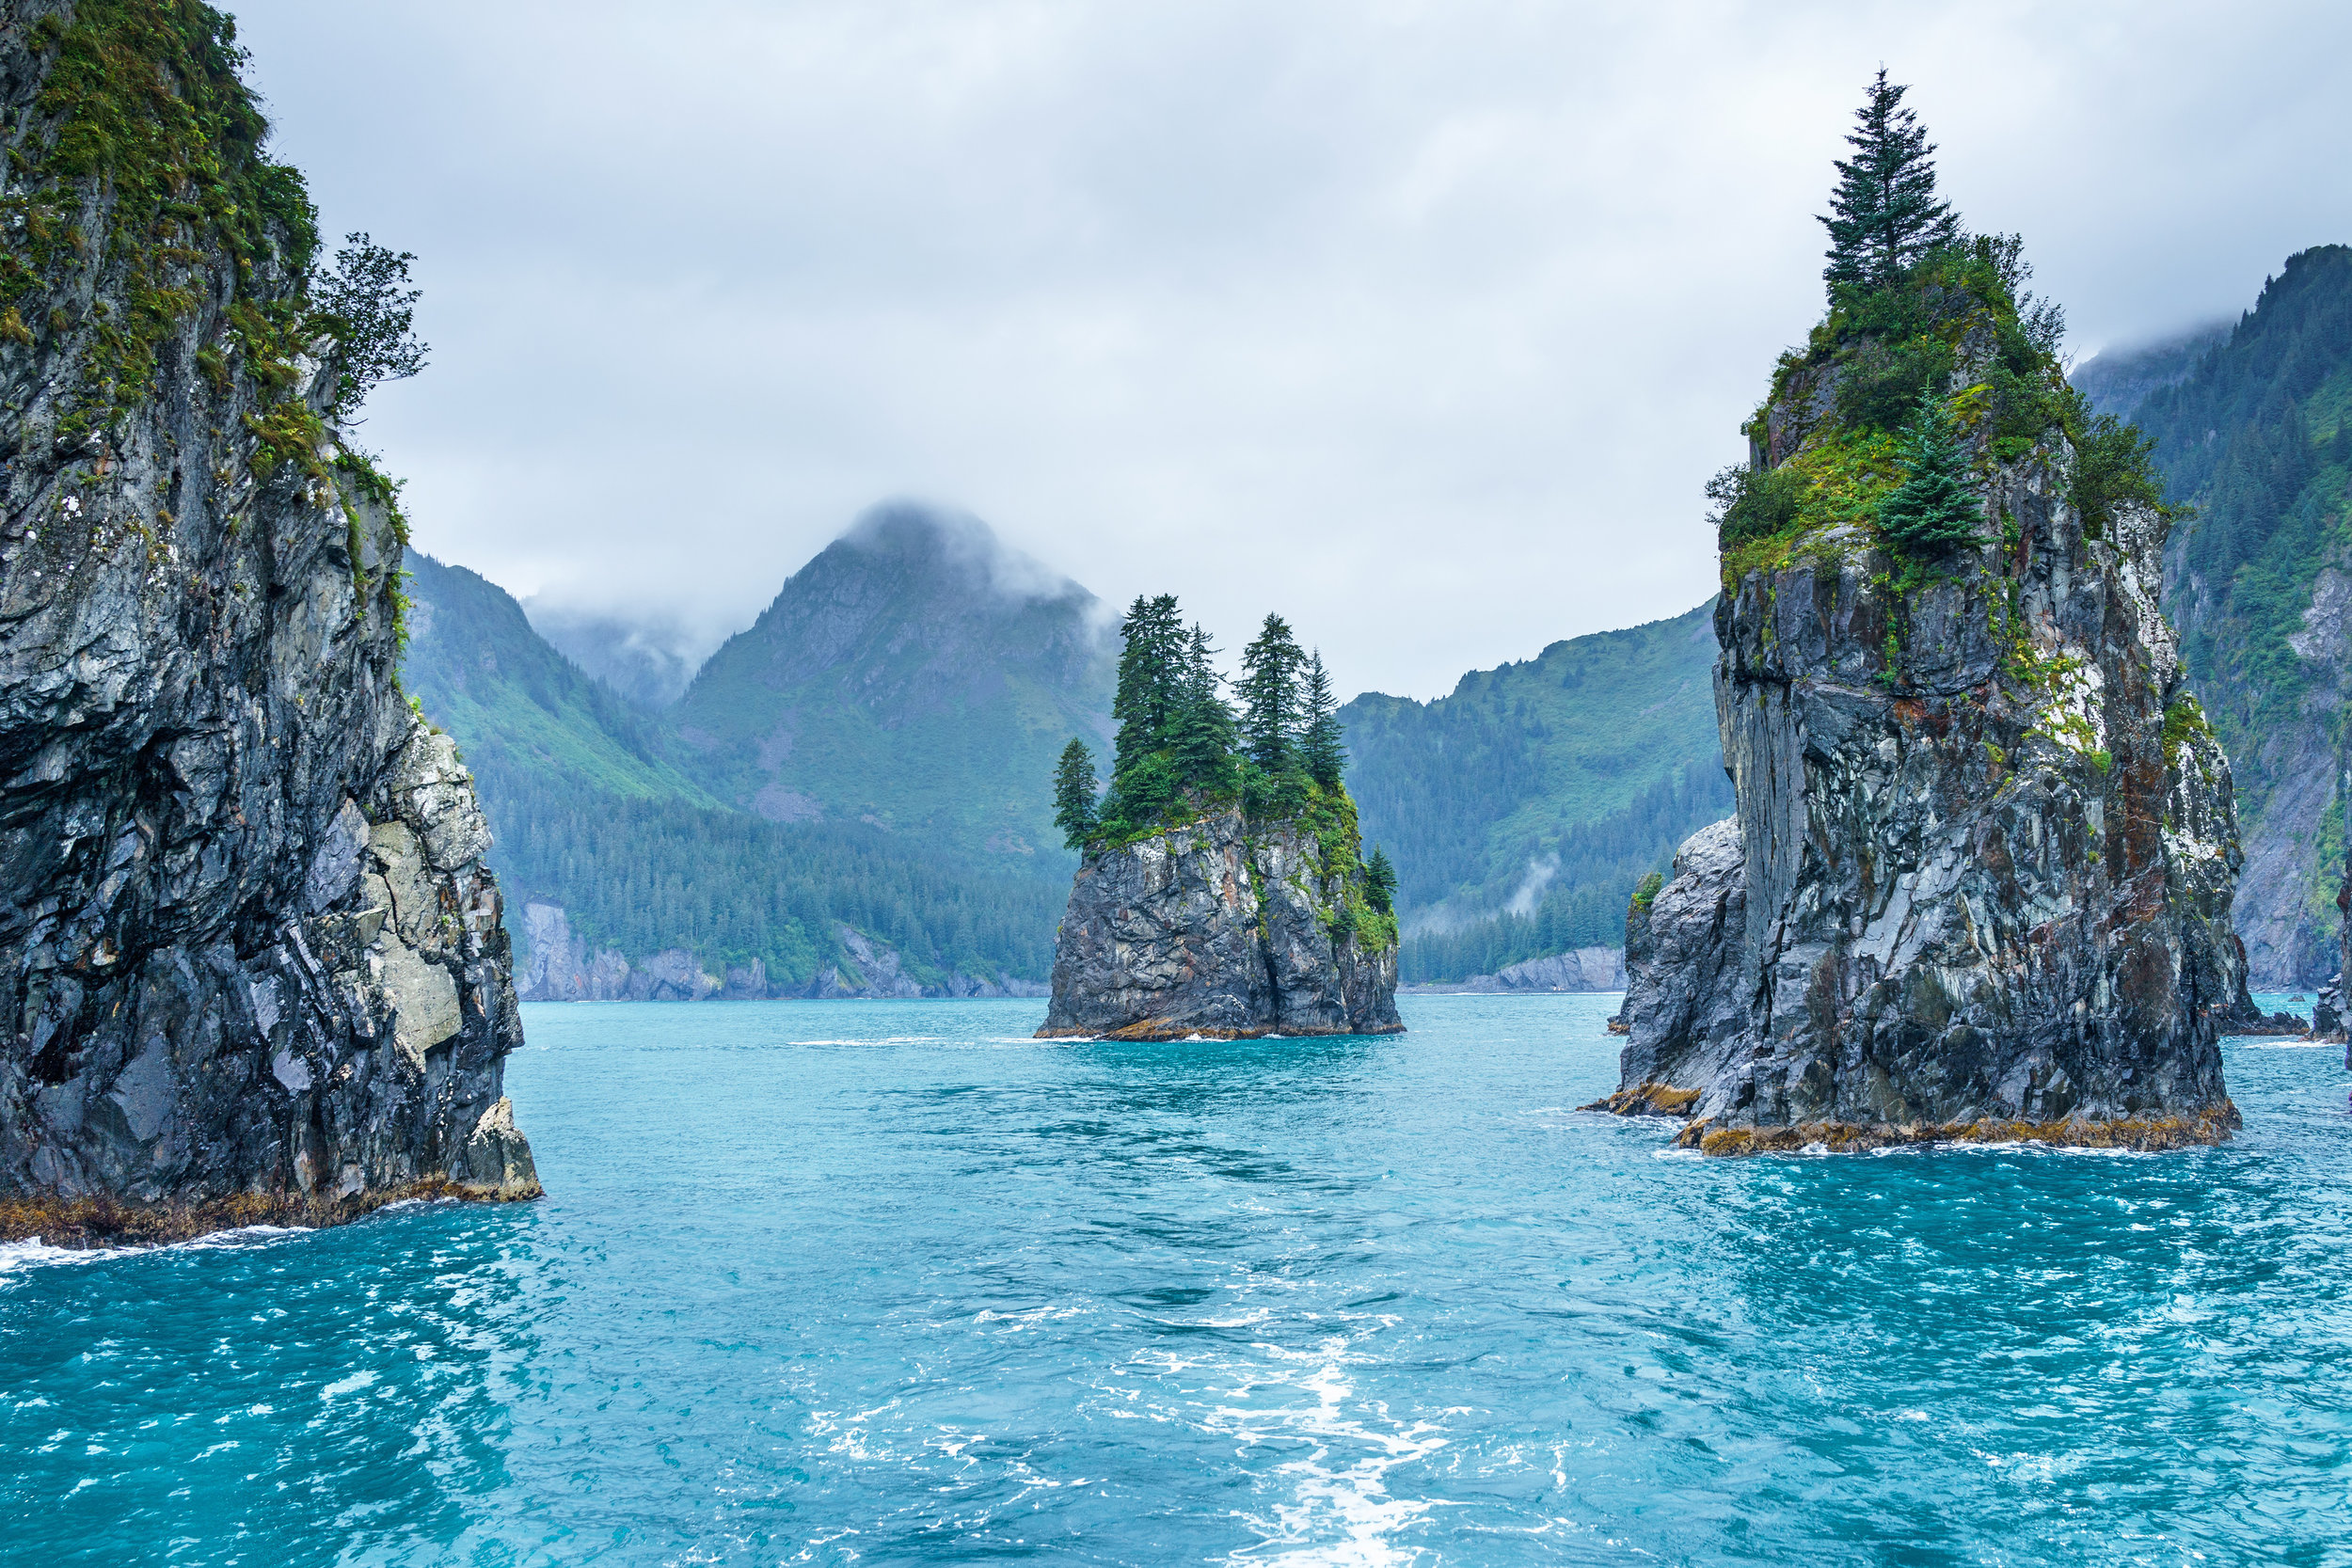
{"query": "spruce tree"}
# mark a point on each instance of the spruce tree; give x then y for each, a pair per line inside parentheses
(1073, 796)
(1380, 882)
(1269, 693)
(1884, 212)
(1202, 736)
(1935, 507)
(1321, 747)
(1151, 677)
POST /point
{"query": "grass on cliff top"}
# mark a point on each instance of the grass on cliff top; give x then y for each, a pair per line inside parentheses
(143, 117)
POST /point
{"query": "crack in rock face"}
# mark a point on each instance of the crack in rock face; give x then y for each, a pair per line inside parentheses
(1219, 930)
(252, 963)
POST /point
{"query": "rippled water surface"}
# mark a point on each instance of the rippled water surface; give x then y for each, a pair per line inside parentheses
(891, 1283)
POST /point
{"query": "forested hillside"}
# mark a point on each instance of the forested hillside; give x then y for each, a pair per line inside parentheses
(2118, 381)
(1523, 809)
(918, 675)
(2256, 437)
(591, 812)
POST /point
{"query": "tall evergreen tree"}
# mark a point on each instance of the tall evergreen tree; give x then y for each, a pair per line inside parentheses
(1884, 212)
(1073, 796)
(1321, 747)
(1380, 881)
(1202, 736)
(1269, 693)
(1935, 507)
(1151, 680)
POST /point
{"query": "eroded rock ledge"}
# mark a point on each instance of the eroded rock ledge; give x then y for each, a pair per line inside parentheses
(1220, 929)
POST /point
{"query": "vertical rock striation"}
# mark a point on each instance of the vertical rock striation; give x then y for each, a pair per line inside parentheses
(1223, 929)
(252, 963)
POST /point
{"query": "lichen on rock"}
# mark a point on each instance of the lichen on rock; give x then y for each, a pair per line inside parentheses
(251, 963)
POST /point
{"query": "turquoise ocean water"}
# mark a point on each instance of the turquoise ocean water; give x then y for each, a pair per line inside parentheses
(891, 1283)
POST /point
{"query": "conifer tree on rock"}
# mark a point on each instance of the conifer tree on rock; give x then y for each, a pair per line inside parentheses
(1935, 507)
(1149, 679)
(1269, 690)
(1886, 214)
(1223, 891)
(1321, 748)
(1380, 882)
(1073, 796)
(1201, 737)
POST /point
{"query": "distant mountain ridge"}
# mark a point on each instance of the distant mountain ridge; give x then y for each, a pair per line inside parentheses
(628, 877)
(917, 675)
(853, 795)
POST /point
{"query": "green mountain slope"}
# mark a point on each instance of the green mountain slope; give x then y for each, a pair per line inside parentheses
(521, 710)
(918, 675)
(1522, 809)
(2256, 436)
(591, 812)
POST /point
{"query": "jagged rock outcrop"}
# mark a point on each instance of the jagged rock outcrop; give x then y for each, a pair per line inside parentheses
(1223, 929)
(251, 963)
(1684, 1007)
(1987, 845)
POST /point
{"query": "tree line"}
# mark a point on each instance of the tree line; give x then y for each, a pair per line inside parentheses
(641, 875)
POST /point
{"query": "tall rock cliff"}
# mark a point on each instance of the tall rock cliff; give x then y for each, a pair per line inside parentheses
(1986, 840)
(250, 957)
(1223, 929)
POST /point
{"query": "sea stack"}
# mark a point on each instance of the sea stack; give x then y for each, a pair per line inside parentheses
(1985, 840)
(1223, 891)
(251, 964)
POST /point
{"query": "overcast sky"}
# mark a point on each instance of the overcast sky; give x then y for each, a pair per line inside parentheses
(1424, 323)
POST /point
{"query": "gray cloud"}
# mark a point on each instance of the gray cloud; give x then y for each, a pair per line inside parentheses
(1423, 323)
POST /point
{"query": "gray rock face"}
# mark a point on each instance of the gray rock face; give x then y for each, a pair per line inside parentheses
(1984, 889)
(1215, 929)
(1685, 1005)
(249, 952)
(1580, 969)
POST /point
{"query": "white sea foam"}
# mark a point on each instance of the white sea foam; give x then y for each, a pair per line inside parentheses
(18, 1256)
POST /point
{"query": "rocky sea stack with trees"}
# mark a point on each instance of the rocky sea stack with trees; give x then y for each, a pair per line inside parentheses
(1223, 891)
(1979, 878)
(251, 961)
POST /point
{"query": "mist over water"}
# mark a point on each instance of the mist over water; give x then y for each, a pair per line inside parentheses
(892, 1283)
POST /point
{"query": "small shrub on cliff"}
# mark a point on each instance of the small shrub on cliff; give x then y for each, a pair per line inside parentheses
(1935, 508)
(2114, 467)
(365, 303)
(1647, 893)
(1751, 505)
(2183, 722)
